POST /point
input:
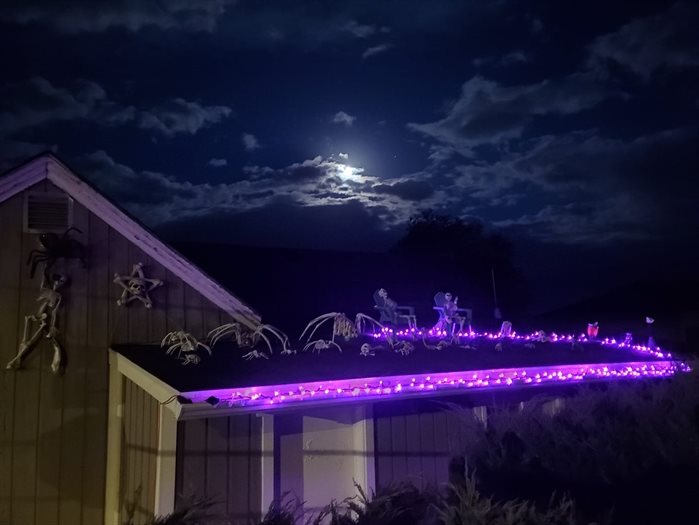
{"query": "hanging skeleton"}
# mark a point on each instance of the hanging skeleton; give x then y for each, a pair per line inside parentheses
(136, 286)
(342, 326)
(46, 317)
(247, 338)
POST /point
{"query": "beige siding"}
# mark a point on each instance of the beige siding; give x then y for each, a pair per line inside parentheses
(53, 429)
(414, 441)
(219, 458)
(139, 451)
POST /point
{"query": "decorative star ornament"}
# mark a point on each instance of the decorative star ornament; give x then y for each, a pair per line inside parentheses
(136, 286)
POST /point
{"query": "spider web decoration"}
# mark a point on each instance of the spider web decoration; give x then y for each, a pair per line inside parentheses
(136, 286)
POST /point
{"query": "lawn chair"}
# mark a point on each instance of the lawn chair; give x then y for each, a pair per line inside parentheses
(391, 313)
(450, 315)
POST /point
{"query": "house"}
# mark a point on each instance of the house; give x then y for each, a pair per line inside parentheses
(126, 421)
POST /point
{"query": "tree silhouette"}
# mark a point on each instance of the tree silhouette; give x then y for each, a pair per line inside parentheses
(448, 253)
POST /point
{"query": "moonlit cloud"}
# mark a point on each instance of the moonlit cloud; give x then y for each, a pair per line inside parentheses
(344, 119)
(250, 142)
(375, 50)
(218, 163)
(158, 198)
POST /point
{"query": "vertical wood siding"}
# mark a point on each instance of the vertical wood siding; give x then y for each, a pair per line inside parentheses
(139, 452)
(219, 458)
(415, 439)
(53, 429)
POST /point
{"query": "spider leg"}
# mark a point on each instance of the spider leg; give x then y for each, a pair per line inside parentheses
(320, 319)
(222, 331)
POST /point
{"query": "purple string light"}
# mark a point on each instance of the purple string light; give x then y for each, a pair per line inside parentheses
(266, 397)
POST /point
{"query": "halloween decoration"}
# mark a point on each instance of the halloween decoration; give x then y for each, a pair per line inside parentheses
(391, 312)
(246, 338)
(448, 310)
(55, 247)
(342, 326)
(184, 346)
(367, 350)
(592, 330)
(404, 348)
(651, 341)
(136, 286)
(441, 345)
(46, 317)
(505, 329)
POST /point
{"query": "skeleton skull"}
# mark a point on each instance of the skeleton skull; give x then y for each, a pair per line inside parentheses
(137, 287)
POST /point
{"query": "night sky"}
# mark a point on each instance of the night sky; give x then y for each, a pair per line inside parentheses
(572, 127)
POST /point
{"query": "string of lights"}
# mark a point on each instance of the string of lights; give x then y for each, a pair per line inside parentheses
(392, 386)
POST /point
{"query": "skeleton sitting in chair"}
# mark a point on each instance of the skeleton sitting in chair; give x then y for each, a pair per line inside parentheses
(450, 314)
(391, 313)
(45, 318)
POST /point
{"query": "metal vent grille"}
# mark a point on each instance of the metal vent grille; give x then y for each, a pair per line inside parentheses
(47, 212)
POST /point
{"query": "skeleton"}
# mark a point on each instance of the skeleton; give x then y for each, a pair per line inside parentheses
(56, 247)
(136, 286)
(404, 348)
(367, 351)
(185, 346)
(46, 316)
(342, 326)
(247, 338)
(441, 345)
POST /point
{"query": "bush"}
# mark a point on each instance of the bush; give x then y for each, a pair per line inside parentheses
(631, 447)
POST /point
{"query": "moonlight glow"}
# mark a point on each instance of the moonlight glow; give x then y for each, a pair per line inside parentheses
(347, 172)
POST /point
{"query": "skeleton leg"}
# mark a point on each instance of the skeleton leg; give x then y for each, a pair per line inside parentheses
(27, 346)
(57, 361)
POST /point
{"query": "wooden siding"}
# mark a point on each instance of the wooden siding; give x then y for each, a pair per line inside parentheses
(415, 439)
(53, 428)
(139, 452)
(219, 458)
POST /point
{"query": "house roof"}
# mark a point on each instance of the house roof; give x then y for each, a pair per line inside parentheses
(309, 378)
(48, 167)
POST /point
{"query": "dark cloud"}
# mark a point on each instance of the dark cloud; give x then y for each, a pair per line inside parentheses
(181, 116)
(36, 102)
(125, 185)
(412, 190)
(664, 41)
(284, 223)
(92, 16)
(488, 112)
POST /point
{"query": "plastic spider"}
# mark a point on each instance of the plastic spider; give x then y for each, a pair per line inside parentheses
(247, 338)
(185, 345)
(54, 247)
(342, 326)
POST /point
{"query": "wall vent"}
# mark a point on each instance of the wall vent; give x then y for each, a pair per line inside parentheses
(47, 212)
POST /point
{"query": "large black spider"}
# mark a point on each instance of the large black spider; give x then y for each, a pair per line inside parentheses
(56, 247)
